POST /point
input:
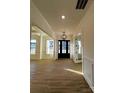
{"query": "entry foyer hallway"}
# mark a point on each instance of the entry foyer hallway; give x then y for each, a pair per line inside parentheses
(60, 76)
(52, 24)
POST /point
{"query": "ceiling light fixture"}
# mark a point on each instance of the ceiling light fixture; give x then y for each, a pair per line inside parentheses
(64, 36)
(63, 17)
(79, 33)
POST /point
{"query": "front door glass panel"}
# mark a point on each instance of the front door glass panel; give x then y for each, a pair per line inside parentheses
(63, 46)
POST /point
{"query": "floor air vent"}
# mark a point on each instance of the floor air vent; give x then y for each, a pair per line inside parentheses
(81, 4)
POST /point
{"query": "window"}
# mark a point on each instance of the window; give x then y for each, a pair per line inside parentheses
(33, 46)
(50, 46)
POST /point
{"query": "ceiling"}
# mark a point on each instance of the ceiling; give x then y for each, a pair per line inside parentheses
(52, 10)
(37, 31)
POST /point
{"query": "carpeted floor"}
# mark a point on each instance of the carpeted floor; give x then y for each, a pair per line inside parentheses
(61, 76)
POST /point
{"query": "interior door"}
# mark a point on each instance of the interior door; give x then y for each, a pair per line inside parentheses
(64, 49)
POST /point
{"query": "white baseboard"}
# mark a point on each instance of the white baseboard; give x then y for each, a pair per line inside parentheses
(89, 82)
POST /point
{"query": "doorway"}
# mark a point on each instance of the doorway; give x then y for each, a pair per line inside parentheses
(64, 49)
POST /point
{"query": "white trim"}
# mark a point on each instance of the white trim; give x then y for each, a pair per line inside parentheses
(89, 82)
(88, 62)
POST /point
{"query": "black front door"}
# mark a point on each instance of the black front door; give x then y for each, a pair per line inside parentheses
(64, 49)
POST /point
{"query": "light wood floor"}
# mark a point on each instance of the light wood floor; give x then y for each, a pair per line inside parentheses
(61, 76)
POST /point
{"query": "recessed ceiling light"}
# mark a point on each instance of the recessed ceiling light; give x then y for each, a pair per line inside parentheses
(63, 17)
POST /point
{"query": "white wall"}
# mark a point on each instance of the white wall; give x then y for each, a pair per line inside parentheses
(86, 25)
(88, 38)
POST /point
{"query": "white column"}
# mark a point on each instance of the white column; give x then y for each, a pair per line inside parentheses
(56, 49)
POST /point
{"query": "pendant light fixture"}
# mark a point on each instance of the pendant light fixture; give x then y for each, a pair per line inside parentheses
(64, 36)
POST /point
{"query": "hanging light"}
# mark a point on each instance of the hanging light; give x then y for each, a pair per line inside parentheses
(63, 17)
(64, 36)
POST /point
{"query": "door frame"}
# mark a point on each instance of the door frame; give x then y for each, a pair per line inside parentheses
(63, 55)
